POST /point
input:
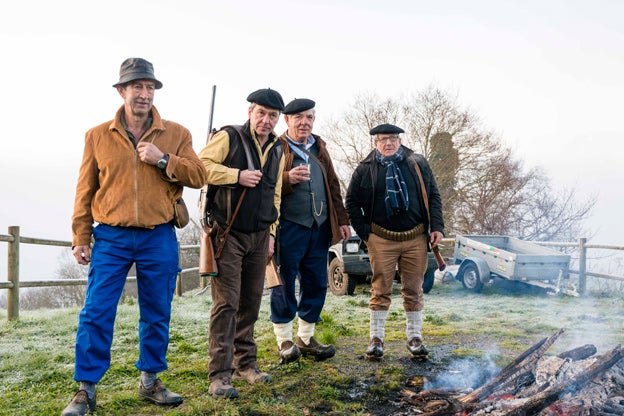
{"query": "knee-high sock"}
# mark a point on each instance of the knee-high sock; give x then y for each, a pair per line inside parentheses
(305, 331)
(378, 324)
(413, 325)
(283, 332)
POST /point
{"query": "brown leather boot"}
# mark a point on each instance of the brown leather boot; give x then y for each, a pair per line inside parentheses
(289, 352)
(375, 348)
(80, 405)
(316, 349)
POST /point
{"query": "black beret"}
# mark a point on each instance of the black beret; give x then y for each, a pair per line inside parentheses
(268, 98)
(386, 129)
(298, 105)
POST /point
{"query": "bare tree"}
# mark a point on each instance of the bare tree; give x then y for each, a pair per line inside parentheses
(489, 192)
(549, 214)
(348, 138)
(484, 187)
(69, 269)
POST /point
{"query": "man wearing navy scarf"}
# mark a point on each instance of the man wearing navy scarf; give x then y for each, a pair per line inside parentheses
(387, 209)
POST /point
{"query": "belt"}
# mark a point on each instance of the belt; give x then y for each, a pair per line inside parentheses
(397, 235)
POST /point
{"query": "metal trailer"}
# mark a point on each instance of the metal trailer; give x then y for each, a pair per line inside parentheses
(484, 257)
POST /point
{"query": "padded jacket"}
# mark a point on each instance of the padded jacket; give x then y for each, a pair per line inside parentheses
(361, 191)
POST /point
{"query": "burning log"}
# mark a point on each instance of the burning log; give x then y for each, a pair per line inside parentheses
(614, 406)
(517, 368)
(537, 384)
(550, 395)
(579, 353)
(433, 403)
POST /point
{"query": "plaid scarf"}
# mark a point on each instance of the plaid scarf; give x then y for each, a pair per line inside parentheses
(396, 197)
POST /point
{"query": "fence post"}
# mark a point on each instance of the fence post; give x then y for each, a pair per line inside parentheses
(178, 290)
(582, 265)
(13, 273)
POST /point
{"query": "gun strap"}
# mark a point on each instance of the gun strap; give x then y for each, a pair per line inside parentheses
(422, 189)
(223, 237)
(434, 249)
(241, 134)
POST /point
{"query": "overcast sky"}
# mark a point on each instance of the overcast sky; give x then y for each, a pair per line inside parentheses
(545, 75)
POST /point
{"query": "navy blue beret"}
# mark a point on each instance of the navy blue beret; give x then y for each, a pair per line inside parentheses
(268, 98)
(298, 105)
(386, 129)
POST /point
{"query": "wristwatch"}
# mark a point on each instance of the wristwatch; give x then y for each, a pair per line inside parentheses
(162, 163)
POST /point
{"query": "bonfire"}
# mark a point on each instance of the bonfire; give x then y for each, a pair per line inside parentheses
(575, 383)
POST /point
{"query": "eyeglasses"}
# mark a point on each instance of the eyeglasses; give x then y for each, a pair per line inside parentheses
(392, 139)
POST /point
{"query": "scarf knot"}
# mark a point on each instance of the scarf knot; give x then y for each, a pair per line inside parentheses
(397, 199)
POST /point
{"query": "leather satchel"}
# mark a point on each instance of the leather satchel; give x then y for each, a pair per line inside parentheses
(180, 214)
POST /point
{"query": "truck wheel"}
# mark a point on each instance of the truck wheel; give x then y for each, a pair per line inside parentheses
(471, 278)
(428, 281)
(337, 281)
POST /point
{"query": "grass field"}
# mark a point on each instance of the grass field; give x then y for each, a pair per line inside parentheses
(464, 331)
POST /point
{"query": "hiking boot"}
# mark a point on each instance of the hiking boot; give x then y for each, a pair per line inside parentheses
(160, 394)
(319, 351)
(289, 352)
(375, 348)
(252, 375)
(417, 348)
(80, 405)
(222, 388)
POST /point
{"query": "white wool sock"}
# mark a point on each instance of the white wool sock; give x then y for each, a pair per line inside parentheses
(283, 332)
(413, 325)
(305, 331)
(378, 324)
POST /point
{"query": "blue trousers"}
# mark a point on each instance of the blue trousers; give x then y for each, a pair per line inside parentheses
(155, 253)
(303, 256)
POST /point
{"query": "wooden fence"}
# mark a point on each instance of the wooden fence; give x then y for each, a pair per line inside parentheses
(13, 283)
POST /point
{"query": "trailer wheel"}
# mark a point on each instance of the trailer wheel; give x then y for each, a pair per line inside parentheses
(338, 281)
(471, 278)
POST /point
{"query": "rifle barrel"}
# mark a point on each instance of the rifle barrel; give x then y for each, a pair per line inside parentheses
(212, 101)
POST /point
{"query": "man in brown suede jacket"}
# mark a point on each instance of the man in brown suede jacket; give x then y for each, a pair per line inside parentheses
(134, 168)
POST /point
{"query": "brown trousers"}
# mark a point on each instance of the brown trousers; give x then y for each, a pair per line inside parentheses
(411, 257)
(236, 297)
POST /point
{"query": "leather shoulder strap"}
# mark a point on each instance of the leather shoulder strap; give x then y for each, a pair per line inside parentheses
(242, 135)
(422, 188)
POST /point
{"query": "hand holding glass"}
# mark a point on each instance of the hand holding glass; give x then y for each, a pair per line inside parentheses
(302, 172)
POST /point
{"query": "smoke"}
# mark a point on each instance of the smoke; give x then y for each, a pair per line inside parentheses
(467, 373)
